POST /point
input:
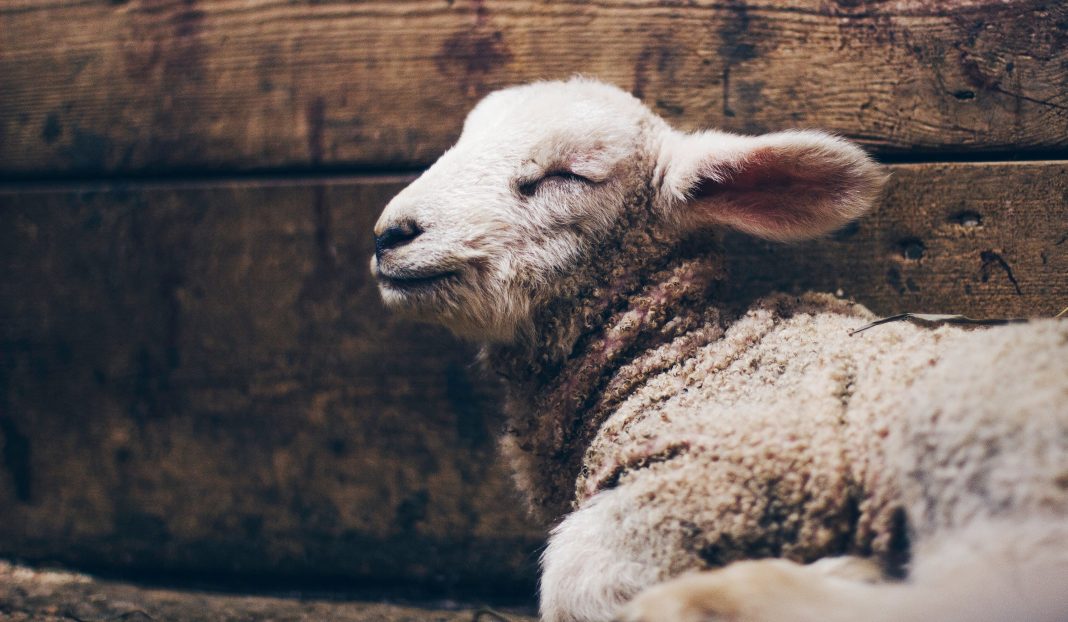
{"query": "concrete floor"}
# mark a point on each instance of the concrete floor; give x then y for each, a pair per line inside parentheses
(51, 595)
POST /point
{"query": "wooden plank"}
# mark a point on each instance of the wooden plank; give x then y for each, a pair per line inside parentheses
(97, 86)
(199, 377)
(985, 240)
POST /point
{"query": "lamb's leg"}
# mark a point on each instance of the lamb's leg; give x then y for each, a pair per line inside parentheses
(770, 589)
(989, 571)
(587, 573)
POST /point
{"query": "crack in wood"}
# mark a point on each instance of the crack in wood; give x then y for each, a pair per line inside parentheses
(990, 258)
(1033, 100)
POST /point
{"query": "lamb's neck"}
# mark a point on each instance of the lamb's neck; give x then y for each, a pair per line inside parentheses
(590, 352)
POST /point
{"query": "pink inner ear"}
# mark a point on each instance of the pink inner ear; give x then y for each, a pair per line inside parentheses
(772, 193)
(763, 170)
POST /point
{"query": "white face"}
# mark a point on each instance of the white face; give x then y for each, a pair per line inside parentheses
(536, 173)
(542, 171)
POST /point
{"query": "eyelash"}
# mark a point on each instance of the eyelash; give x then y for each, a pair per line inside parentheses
(530, 188)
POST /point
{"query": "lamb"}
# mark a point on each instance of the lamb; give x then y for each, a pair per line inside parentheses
(705, 459)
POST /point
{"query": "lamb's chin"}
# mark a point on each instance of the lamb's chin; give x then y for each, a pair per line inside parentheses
(423, 300)
(417, 285)
(414, 300)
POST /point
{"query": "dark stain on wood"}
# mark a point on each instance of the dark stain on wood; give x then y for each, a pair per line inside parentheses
(659, 60)
(324, 233)
(669, 108)
(736, 46)
(412, 510)
(17, 459)
(975, 76)
(473, 54)
(481, 12)
(165, 41)
(750, 97)
(893, 278)
(470, 423)
(315, 118)
(321, 284)
(86, 148)
(52, 128)
(992, 259)
(641, 72)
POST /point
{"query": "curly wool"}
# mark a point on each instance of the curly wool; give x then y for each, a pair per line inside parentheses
(764, 436)
(768, 442)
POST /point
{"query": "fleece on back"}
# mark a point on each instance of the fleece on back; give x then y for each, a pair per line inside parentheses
(769, 441)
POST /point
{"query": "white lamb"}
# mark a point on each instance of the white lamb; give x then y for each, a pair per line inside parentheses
(716, 461)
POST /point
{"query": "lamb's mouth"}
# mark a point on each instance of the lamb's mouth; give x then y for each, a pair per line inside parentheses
(415, 282)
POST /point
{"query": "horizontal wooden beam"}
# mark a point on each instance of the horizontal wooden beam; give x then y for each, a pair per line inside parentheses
(99, 86)
(202, 380)
(984, 240)
(200, 377)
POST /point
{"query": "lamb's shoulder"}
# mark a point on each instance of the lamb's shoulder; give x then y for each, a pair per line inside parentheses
(785, 415)
(783, 351)
(775, 384)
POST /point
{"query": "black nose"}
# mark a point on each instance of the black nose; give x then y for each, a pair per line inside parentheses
(395, 236)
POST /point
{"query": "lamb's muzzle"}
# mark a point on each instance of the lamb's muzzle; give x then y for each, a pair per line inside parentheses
(394, 236)
(663, 430)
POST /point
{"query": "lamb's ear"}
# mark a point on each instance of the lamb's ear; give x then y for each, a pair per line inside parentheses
(783, 186)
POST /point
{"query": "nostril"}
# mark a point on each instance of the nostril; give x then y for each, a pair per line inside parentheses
(396, 236)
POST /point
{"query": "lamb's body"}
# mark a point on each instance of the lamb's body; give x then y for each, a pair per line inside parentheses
(767, 442)
(567, 231)
(787, 437)
(705, 437)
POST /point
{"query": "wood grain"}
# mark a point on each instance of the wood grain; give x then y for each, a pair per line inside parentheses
(984, 240)
(200, 379)
(199, 376)
(96, 86)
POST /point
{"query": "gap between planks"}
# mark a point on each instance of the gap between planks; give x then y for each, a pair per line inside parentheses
(46, 182)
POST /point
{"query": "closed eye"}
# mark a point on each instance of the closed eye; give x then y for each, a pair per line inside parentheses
(530, 187)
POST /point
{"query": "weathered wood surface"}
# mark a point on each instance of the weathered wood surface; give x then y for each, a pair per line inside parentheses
(148, 85)
(202, 379)
(985, 240)
(199, 377)
(55, 596)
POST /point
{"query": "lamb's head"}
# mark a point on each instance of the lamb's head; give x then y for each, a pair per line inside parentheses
(542, 174)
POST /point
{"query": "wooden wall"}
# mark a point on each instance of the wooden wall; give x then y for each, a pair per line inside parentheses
(195, 372)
